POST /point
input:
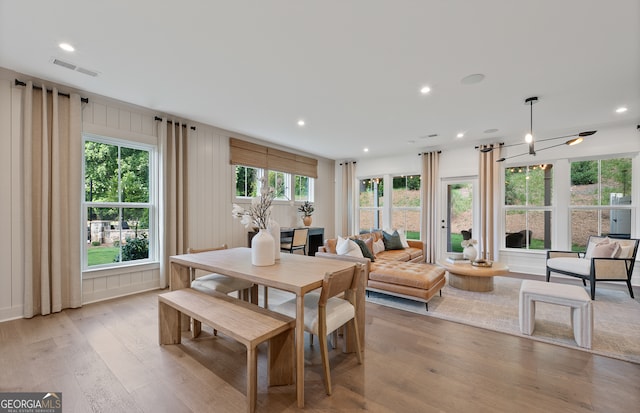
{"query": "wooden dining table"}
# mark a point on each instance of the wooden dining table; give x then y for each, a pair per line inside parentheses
(298, 274)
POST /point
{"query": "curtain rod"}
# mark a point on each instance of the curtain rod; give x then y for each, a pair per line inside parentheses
(347, 162)
(20, 83)
(170, 122)
(422, 153)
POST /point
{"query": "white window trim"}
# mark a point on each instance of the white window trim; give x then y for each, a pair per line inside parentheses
(153, 204)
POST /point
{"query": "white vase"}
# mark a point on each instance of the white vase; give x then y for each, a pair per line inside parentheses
(274, 231)
(470, 253)
(262, 249)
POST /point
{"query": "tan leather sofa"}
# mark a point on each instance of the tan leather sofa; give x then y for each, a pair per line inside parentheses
(402, 273)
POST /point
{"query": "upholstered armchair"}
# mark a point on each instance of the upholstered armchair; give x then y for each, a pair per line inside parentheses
(606, 259)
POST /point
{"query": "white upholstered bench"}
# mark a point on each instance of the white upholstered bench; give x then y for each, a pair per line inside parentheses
(571, 296)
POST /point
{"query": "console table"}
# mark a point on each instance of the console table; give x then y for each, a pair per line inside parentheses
(314, 241)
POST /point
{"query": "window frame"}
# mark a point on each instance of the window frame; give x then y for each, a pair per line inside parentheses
(601, 208)
(379, 208)
(152, 205)
(289, 183)
(528, 208)
(417, 209)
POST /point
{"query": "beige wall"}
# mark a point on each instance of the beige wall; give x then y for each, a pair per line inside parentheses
(210, 192)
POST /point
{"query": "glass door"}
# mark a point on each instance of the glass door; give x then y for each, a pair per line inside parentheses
(458, 214)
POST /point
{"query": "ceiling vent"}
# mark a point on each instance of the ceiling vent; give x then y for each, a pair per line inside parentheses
(73, 67)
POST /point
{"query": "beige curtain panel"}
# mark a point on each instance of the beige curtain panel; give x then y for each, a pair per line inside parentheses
(174, 194)
(430, 182)
(489, 243)
(52, 162)
(349, 198)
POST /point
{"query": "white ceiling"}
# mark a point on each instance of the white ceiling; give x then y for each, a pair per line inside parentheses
(351, 69)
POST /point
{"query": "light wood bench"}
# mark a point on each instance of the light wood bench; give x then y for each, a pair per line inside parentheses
(572, 296)
(242, 321)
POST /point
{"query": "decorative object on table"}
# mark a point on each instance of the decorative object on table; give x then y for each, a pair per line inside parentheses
(307, 210)
(274, 231)
(456, 258)
(469, 252)
(259, 215)
(481, 263)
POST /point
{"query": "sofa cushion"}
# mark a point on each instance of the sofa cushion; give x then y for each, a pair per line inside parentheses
(364, 247)
(330, 245)
(392, 241)
(580, 266)
(410, 274)
(378, 247)
(394, 255)
(609, 250)
(346, 246)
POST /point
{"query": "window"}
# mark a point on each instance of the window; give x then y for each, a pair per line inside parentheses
(405, 208)
(280, 181)
(371, 203)
(528, 217)
(600, 199)
(246, 181)
(119, 206)
(302, 188)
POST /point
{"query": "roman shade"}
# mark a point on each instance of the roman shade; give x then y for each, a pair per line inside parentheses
(260, 156)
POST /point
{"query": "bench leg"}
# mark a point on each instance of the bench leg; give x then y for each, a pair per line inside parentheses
(169, 331)
(252, 378)
(281, 359)
(582, 322)
(196, 328)
(527, 314)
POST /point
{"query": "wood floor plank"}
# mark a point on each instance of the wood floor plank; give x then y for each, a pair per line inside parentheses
(104, 357)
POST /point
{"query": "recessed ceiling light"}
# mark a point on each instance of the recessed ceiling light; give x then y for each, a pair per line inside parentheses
(621, 109)
(472, 79)
(67, 47)
(460, 135)
(366, 149)
(301, 122)
(425, 90)
(493, 130)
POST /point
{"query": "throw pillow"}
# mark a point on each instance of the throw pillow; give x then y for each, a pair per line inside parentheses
(346, 246)
(378, 246)
(392, 241)
(366, 252)
(594, 243)
(603, 250)
(626, 251)
(403, 238)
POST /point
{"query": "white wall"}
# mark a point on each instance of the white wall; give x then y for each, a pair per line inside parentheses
(211, 192)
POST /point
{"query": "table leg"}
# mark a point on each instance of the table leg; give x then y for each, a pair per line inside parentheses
(179, 277)
(300, 349)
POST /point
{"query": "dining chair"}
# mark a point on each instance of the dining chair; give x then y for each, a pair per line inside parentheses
(328, 310)
(297, 242)
(209, 283)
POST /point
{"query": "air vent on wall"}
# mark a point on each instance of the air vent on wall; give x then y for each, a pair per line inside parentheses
(73, 67)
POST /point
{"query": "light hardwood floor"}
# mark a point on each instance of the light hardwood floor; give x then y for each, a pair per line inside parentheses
(105, 357)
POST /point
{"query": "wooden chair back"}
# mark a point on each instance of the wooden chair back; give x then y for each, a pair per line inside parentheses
(343, 281)
(199, 250)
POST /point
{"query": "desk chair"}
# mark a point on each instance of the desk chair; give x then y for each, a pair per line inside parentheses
(328, 310)
(297, 242)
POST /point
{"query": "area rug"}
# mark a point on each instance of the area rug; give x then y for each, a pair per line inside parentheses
(616, 316)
